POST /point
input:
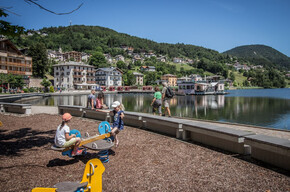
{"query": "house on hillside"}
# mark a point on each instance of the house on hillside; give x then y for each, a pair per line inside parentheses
(120, 58)
(171, 79)
(147, 68)
(139, 78)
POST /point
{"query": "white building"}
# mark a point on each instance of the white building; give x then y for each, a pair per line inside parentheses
(74, 75)
(110, 76)
(139, 78)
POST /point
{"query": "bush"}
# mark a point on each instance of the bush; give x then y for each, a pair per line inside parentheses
(31, 89)
(25, 90)
(51, 89)
(1, 89)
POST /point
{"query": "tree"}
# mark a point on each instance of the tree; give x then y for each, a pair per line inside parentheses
(131, 80)
(6, 28)
(122, 65)
(45, 83)
(232, 76)
(39, 58)
(98, 60)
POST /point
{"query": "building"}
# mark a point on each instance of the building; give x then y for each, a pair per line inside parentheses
(171, 79)
(195, 77)
(139, 78)
(74, 75)
(110, 76)
(14, 61)
(147, 68)
(72, 56)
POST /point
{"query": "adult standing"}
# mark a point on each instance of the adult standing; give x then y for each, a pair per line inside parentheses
(165, 99)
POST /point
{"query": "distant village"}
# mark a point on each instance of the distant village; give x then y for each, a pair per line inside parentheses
(72, 72)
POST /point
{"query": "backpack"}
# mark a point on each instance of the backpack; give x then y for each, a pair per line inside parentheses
(169, 93)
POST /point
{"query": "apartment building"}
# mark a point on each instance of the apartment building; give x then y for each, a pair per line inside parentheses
(13, 61)
(110, 76)
(74, 75)
(171, 79)
(139, 78)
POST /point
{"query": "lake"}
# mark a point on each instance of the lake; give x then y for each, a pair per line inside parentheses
(259, 107)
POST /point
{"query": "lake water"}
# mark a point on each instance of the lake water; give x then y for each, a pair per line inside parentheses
(259, 107)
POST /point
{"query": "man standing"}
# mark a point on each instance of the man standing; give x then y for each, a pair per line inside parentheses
(165, 99)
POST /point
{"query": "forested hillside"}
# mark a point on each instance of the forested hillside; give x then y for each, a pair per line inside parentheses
(261, 55)
(88, 38)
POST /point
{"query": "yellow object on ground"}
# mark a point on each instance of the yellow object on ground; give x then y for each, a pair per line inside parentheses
(92, 175)
(1, 123)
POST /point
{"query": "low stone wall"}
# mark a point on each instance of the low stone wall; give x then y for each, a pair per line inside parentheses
(272, 150)
(15, 108)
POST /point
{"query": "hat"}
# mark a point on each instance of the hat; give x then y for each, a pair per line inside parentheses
(116, 104)
(66, 117)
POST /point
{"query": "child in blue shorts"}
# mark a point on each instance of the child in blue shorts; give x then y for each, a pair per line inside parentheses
(118, 124)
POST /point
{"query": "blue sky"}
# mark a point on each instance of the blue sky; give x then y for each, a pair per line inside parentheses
(215, 24)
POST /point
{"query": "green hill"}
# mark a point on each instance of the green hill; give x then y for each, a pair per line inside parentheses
(261, 55)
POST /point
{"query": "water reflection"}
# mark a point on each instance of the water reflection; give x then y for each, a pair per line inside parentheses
(260, 111)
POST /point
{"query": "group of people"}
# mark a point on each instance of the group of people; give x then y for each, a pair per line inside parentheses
(96, 103)
(160, 99)
(64, 139)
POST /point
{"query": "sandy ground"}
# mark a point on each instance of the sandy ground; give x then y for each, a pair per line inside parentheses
(144, 161)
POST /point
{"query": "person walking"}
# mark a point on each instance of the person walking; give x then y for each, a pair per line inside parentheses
(165, 100)
(157, 102)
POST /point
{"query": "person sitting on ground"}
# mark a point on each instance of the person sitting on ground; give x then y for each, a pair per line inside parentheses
(62, 137)
(156, 102)
(92, 100)
(100, 101)
(118, 124)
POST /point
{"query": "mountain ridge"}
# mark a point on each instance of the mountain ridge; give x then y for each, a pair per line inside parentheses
(261, 55)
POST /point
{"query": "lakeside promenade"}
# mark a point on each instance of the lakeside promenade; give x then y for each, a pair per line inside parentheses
(144, 161)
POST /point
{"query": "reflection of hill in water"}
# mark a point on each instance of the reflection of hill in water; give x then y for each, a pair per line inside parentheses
(248, 110)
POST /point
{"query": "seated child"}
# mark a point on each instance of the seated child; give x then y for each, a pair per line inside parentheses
(118, 124)
(62, 137)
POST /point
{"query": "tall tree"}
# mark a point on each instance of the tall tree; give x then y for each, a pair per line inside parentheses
(98, 60)
(39, 59)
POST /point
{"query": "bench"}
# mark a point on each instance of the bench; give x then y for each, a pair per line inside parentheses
(102, 115)
(73, 110)
(165, 125)
(217, 136)
(272, 150)
(15, 108)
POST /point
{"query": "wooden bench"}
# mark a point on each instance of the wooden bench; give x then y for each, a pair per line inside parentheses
(217, 136)
(15, 108)
(272, 150)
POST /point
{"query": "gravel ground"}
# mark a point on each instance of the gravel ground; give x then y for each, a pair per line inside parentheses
(144, 161)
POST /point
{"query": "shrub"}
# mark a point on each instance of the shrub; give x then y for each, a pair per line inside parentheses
(31, 89)
(25, 90)
(51, 89)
